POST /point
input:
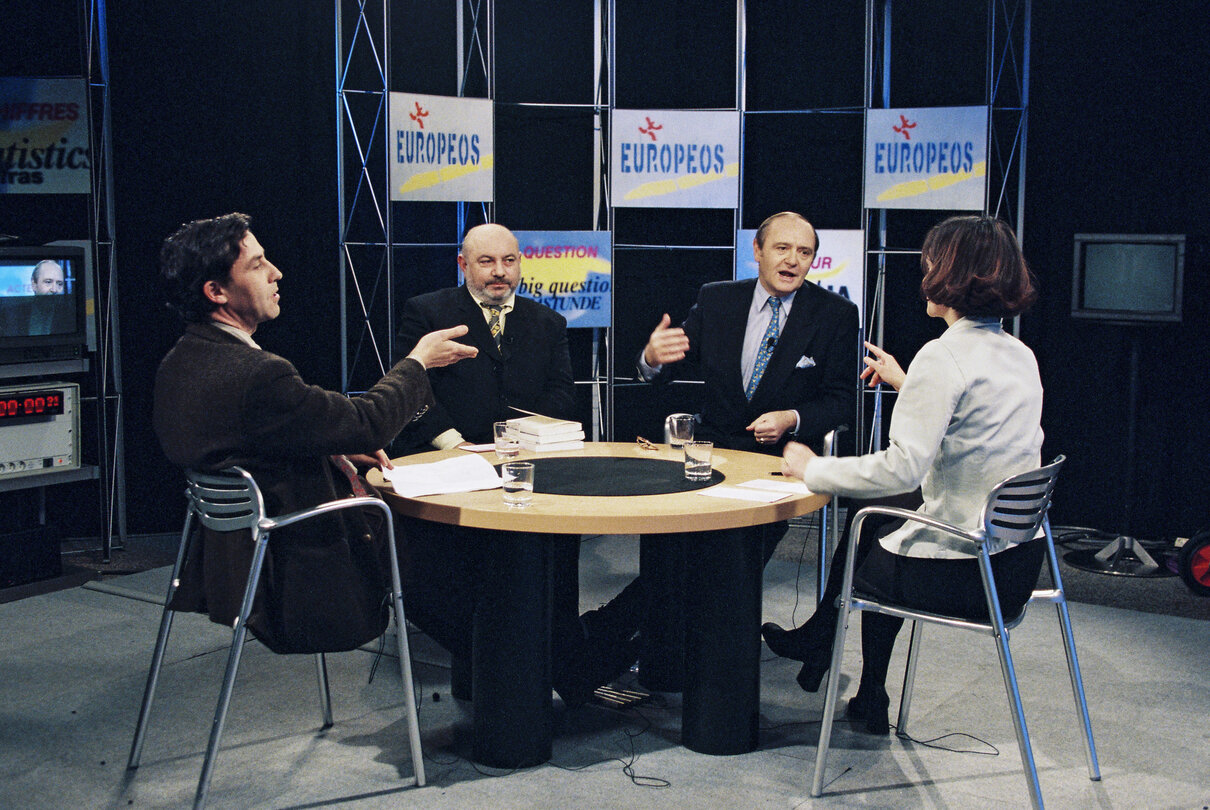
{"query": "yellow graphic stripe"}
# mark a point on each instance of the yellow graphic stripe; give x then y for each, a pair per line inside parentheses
(913, 188)
(658, 188)
(575, 269)
(38, 134)
(835, 271)
(445, 174)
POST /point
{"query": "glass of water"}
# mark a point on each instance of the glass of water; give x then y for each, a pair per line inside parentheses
(679, 429)
(507, 445)
(697, 460)
(518, 479)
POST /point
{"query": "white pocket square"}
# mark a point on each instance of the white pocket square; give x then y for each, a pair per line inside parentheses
(805, 362)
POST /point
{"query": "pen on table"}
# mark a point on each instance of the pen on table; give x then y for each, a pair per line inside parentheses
(776, 472)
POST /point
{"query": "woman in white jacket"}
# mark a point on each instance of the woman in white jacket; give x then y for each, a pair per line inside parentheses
(967, 417)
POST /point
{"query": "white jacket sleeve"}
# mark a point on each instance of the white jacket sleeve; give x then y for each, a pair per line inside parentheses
(923, 410)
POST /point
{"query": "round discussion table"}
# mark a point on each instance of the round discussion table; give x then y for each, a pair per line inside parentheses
(511, 686)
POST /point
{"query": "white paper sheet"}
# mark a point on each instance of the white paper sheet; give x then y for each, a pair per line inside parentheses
(460, 474)
(790, 486)
(743, 493)
(478, 448)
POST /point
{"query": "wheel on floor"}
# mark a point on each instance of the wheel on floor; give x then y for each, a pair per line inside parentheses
(1195, 563)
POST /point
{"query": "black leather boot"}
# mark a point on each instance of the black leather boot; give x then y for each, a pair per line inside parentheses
(869, 709)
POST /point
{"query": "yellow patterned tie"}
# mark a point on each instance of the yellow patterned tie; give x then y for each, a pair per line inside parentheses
(766, 348)
(493, 323)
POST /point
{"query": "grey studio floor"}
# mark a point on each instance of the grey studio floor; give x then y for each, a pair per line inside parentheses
(73, 664)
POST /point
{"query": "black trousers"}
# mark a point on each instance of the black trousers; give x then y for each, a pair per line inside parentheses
(443, 568)
(621, 617)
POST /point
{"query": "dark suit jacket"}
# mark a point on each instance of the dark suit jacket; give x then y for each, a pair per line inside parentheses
(822, 327)
(57, 315)
(531, 369)
(219, 402)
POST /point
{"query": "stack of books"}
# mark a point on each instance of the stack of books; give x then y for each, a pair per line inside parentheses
(546, 434)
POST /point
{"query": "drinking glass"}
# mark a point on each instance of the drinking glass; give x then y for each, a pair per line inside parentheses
(679, 427)
(507, 445)
(518, 479)
(697, 460)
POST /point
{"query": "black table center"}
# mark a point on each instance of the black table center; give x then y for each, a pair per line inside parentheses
(608, 476)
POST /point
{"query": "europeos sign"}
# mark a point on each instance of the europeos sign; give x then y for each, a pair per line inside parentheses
(934, 158)
(674, 159)
(441, 148)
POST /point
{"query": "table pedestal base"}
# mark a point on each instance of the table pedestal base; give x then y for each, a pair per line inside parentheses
(722, 647)
(511, 680)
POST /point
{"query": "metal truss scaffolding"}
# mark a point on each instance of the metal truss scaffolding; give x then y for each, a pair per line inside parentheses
(107, 366)
(101, 367)
(366, 241)
(1006, 96)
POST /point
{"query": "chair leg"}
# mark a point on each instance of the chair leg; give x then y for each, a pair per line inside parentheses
(1077, 689)
(153, 679)
(220, 715)
(325, 694)
(233, 659)
(161, 643)
(405, 655)
(1073, 662)
(1018, 712)
(409, 692)
(830, 697)
(826, 518)
(909, 679)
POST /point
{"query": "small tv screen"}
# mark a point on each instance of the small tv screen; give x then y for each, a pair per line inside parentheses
(42, 303)
(1128, 277)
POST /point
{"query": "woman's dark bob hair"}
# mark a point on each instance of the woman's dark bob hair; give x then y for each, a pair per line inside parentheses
(974, 265)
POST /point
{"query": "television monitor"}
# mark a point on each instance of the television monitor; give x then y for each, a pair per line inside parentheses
(1128, 277)
(43, 304)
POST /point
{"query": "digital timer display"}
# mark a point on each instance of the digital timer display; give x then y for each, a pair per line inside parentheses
(17, 404)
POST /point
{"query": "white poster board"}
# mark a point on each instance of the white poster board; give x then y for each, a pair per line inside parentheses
(441, 148)
(44, 136)
(674, 159)
(926, 158)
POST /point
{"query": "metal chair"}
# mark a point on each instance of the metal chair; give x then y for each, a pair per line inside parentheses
(829, 523)
(1014, 512)
(230, 501)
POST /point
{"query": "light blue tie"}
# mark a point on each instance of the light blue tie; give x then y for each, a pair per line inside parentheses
(766, 347)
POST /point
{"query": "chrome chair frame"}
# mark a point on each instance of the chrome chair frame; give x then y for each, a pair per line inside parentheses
(829, 523)
(229, 501)
(1015, 510)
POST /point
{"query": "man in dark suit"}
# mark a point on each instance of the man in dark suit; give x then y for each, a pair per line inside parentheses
(220, 400)
(48, 311)
(522, 362)
(525, 365)
(778, 358)
(802, 338)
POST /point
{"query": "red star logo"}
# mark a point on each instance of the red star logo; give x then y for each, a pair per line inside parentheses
(419, 115)
(904, 126)
(652, 126)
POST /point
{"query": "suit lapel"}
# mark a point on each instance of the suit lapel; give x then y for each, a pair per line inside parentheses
(733, 324)
(515, 329)
(795, 338)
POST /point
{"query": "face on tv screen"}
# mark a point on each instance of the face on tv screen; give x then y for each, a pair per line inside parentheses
(37, 296)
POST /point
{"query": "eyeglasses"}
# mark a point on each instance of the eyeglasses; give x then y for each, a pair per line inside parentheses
(644, 444)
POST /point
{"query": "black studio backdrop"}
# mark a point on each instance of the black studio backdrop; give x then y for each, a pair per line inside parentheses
(231, 106)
